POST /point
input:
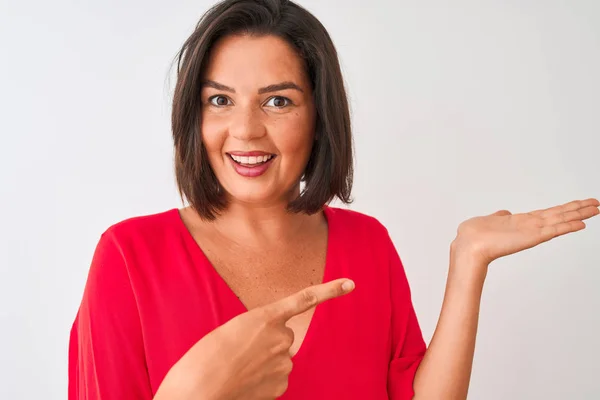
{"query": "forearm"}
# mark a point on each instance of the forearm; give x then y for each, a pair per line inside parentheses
(188, 387)
(445, 371)
(200, 375)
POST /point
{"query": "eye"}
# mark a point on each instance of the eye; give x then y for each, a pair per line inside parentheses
(278, 102)
(219, 101)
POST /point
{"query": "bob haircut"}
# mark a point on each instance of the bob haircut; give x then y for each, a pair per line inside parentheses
(329, 170)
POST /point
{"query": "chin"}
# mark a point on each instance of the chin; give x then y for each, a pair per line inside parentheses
(256, 193)
(256, 199)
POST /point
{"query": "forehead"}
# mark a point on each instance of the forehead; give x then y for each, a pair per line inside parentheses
(245, 61)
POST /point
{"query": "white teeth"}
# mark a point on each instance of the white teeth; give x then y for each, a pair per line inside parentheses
(252, 159)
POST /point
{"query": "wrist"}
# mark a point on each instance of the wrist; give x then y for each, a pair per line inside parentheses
(467, 267)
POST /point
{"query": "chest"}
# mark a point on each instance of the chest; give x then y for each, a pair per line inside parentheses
(260, 277)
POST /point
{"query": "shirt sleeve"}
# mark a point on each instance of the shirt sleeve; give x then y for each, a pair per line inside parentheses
(106, 351)
(408, 346)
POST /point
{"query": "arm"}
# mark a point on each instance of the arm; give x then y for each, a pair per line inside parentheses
(407, 344)
(106, 352)
(249, 356)
(445, 371)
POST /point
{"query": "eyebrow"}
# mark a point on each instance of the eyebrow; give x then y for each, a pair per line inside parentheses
(217, 85)
(280, 86)
(267, 89)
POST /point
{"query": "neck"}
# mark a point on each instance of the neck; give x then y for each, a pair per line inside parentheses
(265, 223)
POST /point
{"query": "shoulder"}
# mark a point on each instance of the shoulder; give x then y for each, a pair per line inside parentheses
(356, 220)
(358, 225)
(146, 228)
(366, 241)
(137, 242)
(127, 249)
(143, 223)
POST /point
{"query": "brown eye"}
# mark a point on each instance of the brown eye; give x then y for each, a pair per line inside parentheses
(219, 101)
(278, 102)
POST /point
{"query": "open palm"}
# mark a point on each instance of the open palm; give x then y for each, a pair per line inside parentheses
(503, 233)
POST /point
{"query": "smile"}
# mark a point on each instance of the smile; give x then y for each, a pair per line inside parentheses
(251, 164)
(251, 160)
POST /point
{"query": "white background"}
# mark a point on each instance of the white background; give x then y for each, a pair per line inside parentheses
(458, 110)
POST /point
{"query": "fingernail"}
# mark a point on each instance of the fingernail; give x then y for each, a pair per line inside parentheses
(347, 286)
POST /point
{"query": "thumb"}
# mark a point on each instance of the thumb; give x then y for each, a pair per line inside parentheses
(501, 213)
(308, 298)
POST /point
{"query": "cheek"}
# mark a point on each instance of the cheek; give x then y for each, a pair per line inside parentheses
(296, 134)
(213, 135)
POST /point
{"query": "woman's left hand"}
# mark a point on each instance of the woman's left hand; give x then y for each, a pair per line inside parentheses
(490, 237)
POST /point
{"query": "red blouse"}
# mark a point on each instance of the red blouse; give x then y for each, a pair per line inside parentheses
(151, 294)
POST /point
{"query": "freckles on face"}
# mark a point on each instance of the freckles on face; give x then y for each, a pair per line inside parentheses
(256, 97)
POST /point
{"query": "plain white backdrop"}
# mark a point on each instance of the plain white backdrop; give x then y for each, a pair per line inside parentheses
(459, 109)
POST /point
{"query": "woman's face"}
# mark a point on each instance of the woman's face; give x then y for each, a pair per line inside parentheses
(258, 118)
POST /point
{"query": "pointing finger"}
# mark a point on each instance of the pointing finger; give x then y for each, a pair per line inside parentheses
(310, 297)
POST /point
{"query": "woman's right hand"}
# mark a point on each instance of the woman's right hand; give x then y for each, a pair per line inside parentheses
(249, 356)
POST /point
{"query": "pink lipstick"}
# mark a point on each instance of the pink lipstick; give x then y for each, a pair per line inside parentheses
(251, 164)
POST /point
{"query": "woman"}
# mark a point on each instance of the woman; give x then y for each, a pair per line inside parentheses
(259, 290)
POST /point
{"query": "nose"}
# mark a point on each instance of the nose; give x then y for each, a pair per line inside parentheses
(247, 123)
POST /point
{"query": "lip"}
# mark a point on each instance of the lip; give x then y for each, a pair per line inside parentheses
(249, 153)
(254, 171)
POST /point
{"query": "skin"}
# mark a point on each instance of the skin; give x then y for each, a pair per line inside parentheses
(238, 114)
(281, 122)
(245, 107)
(445, 371)
(220, 365)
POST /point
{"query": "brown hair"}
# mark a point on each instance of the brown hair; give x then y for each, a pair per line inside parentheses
(329, 171)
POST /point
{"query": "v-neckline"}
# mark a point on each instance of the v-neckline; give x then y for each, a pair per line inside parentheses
(241, 308)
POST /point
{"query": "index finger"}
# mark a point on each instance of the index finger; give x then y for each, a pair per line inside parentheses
(310, 297)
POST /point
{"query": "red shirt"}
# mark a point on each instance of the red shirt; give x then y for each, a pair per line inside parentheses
(151, 294)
